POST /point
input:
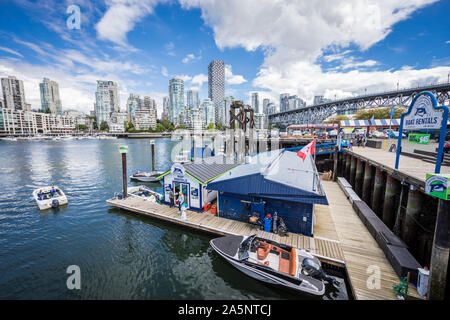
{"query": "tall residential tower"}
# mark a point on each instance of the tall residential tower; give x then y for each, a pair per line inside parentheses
(13, 93)
(50, 100)
(216, 82)
(176, 98)
(106, 100)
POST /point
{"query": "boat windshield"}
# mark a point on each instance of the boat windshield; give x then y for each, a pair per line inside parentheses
(245, 247)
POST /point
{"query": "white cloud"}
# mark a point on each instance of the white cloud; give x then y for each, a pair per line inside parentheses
(11, 51)
(230, 78)
(190, 57)
(295, 41)
(199, 79)
(121, 17)
(170, 48)
(164, 71)
(183, 77)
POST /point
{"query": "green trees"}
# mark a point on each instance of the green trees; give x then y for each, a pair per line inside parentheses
(129, 126)
(167, 125)
(104, 126)
(81, 127)
(379, 113)
(210, 126)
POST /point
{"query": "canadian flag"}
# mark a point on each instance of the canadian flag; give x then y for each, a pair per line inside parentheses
(308, 149)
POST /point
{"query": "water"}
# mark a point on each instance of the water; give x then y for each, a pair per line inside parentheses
(121, 255)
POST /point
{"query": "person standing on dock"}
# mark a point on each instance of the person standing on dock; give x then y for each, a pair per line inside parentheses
(171, 196)
(180, 200)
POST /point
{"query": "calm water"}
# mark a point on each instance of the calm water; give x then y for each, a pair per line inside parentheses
(121, 255)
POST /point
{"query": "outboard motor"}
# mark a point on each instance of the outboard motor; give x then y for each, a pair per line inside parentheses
(55, 203)
(282, 229)
(313, 268)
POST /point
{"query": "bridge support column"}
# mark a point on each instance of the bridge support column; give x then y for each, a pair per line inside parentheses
(359, 177)
(367, 183)
(353, 172)
(377, 206)
(440, 253)
(389, 209)
(413, 208)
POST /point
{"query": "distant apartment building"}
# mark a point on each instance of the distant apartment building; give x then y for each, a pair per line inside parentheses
(106, 100)
(20, 122)
(133, 103)
(176, 99)
(260, 120)
(216, 82)
(50, 100)
(2, 104)
(265, 109)
(224, 111)
(288, 102)
(318, 100)
(13, 93)
(192, 99)
(209, 111)
(272, 108)
(144, 118)
(117, 121)
(166, 108)
(255, 102)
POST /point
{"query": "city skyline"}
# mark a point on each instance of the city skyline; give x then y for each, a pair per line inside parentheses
(337, 62)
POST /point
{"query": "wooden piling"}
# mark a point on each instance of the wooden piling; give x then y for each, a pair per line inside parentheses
(440, 253)
(348, 163)
(359, 176)
(353, 171)
(153, 156)
(124, 174)
(413, 209)
(378, 188)
(389, 209)
(335, 164)
(367, 183)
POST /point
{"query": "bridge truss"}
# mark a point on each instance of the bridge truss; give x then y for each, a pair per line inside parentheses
(318, 113)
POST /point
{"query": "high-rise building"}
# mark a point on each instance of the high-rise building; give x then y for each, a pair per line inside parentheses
(265, 109)
(13, 93)
(255, 102)
(166, 108)
(216, 82)
(224, 111)
(176, 98)
(318, 100)
(284, 102)
(192, 98)
(209, 110)
(106, 100)
(50, 96)
(2, 104)
(133, 104)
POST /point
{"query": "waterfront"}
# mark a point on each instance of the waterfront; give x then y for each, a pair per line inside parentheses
(121, 255)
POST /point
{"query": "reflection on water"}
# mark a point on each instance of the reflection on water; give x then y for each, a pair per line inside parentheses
(121, 255)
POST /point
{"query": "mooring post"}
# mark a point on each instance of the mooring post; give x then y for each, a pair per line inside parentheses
(335, 165)
(377, 206)
(353, 171)
(153, 154)
(413, 208)
(124, 174)
(367, 183)
(359, 176)
(392, 188)
(440, 253)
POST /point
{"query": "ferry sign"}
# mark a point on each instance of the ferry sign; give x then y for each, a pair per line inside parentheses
(437, 185)
(178, 170)
(423, 115)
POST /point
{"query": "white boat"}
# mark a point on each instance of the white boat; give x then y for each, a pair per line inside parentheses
(146, 176)
(67, 138)
(49, 197)
(145, 193)
(277, 264)
(57, 138)
(9, 139)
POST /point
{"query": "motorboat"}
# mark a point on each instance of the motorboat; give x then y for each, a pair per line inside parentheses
(277, 264)
(146, 176)
(9, 139)
(67, 138)
(49, 197)
(145, 193)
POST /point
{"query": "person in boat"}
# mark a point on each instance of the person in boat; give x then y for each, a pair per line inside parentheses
(180, 200)
(52, 192)
(171, 196)
(39, 195)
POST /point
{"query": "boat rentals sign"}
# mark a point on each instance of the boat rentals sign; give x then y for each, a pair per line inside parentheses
(423, 115)
(437, 185)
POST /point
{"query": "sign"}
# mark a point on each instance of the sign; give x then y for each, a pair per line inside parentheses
(437, 185)
(177, 170)
(419, 138)
(423, 115)
(152, 141)
(123, 149)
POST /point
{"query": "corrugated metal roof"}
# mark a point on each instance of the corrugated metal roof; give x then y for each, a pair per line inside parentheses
(286, 176)
(204, 172)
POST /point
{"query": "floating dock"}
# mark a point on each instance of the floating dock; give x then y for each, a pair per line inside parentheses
(340, 238)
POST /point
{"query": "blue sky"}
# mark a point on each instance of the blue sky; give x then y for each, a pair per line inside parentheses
(334, 48)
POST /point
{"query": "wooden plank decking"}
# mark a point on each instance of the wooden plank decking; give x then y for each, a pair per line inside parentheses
(340, 237)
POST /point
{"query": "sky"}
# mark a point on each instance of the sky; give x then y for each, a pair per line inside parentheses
(335, 48)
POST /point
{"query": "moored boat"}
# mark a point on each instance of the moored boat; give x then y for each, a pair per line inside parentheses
(277, 264)
(146, 176)
(49, 197)
(145, 193)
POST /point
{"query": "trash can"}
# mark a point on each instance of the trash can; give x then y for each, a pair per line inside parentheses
(422, 281)
(268, 223)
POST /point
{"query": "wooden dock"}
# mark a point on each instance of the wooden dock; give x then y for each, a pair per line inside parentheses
(340, 238)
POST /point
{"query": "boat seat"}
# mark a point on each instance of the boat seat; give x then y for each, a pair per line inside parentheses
(292, 263)
(263, 251)
(284, 265)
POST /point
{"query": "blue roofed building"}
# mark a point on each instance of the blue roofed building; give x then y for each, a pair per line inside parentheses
(276, 181)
